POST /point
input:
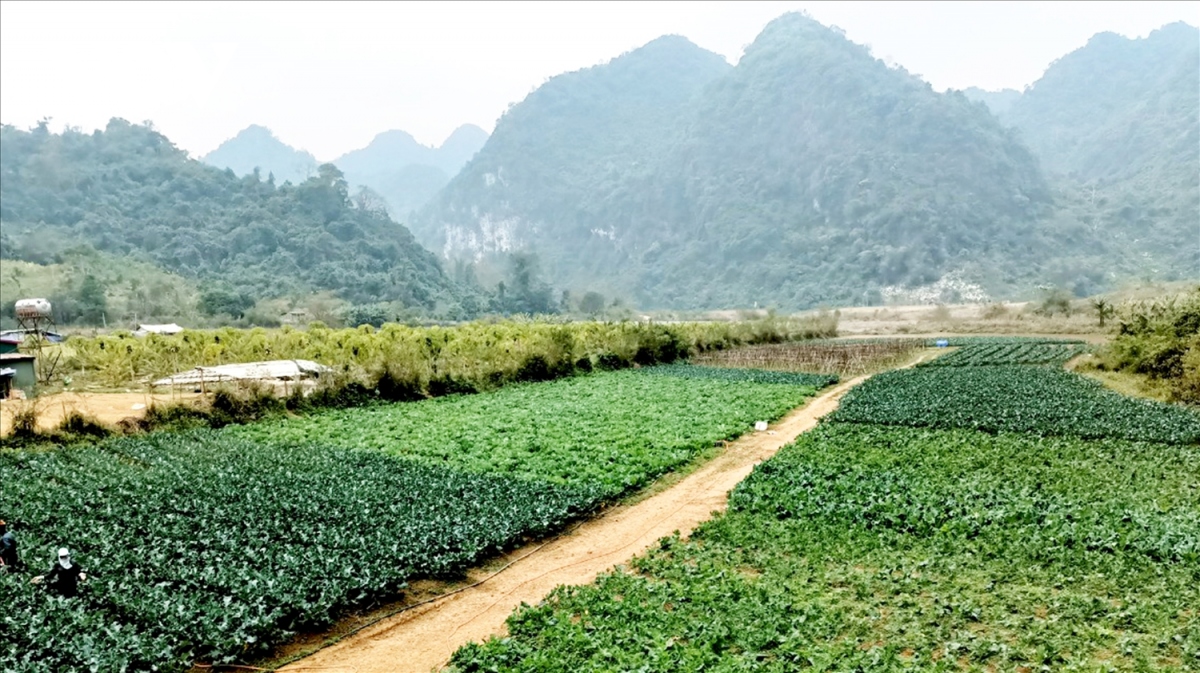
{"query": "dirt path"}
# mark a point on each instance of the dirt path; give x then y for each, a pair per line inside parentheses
(109, 408)
(422, 639)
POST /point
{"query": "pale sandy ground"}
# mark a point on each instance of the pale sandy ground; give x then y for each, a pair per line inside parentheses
(877, 319)
(997, 319)
(424, 638)
(108, 408)
(966, 319)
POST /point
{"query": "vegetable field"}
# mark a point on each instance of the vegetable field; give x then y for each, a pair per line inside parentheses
(690, 371)
(869, 549)
(213, 546)
(1037, 400)
(615, 431)
(205, 546)
(1008, 353)
(866, 546)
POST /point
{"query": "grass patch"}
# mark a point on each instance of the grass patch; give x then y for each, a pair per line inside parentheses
(1126, 383)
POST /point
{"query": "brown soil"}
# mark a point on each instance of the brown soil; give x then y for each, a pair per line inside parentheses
(108, 408)
(423, 639)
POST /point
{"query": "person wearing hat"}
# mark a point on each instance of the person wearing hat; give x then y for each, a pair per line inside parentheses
(9, 560)
(64, 576)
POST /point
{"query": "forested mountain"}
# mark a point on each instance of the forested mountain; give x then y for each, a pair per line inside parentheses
(255, 147)
(810, 173)
(1116, 106)
(562, 167)
(395, 149)
(127, 190)
(1117, 125)
(815, 173)
(999, 102)
(402, 172)
(406, 173)
(463, 144)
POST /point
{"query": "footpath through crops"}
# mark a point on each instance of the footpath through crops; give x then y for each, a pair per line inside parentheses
(873, 545)
(213, 546)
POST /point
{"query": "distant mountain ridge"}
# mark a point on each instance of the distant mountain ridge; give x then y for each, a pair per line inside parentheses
(1105, 110)
(127, 190)
(398, 148)
(810, 172)
(999, 102)
(403, 172)
(406, 173)
(255, 147)
(1117, 125)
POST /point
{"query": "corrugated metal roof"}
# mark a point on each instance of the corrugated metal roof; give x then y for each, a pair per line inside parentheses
(19, 335)
(284, 370)
(169, 328)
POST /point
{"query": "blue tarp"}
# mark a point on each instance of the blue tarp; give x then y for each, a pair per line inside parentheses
(18, 335)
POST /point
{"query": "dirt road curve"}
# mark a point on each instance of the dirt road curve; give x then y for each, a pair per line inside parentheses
(423, 639)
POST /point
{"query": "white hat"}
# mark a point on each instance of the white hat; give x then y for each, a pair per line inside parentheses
(63, 552)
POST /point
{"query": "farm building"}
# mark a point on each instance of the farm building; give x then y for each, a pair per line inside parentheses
(284, 375)
(9, 344)
(23, 376)
(170, 328)
(296, 316)
(18, 335)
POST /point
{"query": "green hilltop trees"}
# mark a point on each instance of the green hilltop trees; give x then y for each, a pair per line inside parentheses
(813, 172)
(127, 190)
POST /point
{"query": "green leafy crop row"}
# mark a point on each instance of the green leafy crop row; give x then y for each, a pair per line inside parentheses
(688, 371)
(1038, 400)
(1049, 543)
(616, 430)
(865, 548)
(1000, 353)
(206, 546)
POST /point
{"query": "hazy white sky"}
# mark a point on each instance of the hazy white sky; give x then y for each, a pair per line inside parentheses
(328, 76)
